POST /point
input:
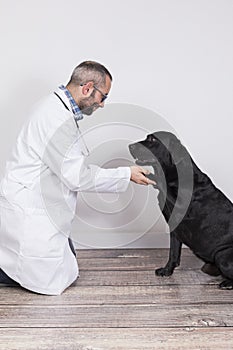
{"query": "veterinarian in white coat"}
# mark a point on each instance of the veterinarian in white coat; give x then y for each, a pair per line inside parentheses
(47, 168)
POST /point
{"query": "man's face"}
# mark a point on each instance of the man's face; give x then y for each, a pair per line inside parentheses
(96, 100)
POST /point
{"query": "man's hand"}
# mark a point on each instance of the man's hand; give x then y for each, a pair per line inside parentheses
(137, 175)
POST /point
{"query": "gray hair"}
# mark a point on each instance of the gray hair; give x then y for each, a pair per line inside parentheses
(89, 71)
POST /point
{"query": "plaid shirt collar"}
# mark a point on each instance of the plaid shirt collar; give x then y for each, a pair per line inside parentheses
(75, 108)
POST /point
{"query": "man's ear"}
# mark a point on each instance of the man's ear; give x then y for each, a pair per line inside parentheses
(87, 88)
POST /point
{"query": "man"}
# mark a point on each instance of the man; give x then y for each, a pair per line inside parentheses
(38, 193)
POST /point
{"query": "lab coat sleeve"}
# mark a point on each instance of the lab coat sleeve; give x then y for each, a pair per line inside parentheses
(62, 153)
(95, 179)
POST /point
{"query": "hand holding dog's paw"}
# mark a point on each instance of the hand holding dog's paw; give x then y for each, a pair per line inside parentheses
(138, 176)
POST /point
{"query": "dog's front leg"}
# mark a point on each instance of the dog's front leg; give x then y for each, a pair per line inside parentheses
(174, 257)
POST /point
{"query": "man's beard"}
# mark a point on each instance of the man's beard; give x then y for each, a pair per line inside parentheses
(88, 110)
(86, 105)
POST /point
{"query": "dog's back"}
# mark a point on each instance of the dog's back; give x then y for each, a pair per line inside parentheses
(209, 216)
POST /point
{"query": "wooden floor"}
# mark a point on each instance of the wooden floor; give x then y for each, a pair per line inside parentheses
(119, 303)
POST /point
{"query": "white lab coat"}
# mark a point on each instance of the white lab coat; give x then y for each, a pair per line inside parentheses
(38, 197)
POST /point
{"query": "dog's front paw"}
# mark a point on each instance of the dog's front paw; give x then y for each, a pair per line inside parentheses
(164, 271)
(227, 284)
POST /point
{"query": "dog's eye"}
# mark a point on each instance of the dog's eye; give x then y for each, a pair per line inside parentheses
(151, 138)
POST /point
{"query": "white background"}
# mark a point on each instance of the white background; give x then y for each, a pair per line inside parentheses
(170, 57)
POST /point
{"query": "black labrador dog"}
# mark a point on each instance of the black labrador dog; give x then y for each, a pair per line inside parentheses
(198, 214)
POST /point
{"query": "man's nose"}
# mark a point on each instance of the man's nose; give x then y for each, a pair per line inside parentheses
(101, 104)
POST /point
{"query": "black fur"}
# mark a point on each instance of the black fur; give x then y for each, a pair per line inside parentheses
(198, 214)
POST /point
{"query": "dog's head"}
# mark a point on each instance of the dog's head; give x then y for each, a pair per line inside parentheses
(160, 148)
(173, 172)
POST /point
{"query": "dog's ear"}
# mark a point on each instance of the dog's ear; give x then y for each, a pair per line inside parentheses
(174, 149)
(177, 150)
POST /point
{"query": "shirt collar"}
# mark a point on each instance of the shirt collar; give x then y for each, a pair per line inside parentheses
(75, 108)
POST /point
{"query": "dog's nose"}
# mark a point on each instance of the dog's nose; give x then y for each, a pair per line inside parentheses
(131, 147)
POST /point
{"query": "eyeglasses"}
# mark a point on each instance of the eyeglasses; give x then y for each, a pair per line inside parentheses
(104, 96)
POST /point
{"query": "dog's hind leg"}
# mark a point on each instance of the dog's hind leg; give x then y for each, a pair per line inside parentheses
(174, 257)
(224, 261)
(210, 269)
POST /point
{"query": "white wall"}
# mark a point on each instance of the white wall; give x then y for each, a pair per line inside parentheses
(172, 65)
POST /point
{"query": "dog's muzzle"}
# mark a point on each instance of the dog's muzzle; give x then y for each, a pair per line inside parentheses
(139, 157)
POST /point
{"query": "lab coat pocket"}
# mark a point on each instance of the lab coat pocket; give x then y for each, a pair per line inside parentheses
(41, 237)
(12, 225)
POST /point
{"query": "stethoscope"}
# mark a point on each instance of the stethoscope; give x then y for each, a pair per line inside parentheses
(87, 152)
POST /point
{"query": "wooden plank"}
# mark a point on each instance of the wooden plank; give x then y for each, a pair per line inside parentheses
(117, 339)
(135, 263)
(118, 288)
(115, 253)
(137, 278)
(124, 278)
(121, 295)
(130, 316)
